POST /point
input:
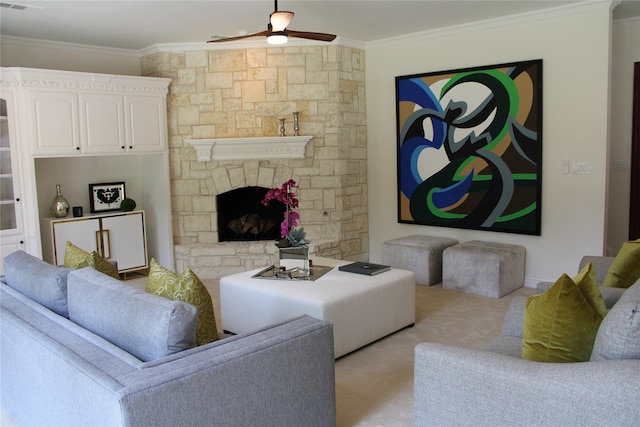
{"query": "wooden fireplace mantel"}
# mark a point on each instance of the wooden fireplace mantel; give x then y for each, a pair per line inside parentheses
(270, 147)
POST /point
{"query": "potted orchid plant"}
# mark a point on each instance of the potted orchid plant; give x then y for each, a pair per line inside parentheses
(293, 247)
(291, 236)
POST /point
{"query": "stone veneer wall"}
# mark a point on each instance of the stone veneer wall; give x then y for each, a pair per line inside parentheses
(243, 93)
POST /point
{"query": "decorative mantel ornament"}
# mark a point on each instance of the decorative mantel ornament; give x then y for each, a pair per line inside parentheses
(293, 248)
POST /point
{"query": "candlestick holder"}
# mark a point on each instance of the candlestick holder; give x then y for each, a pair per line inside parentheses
(296, 124)
(282, 127)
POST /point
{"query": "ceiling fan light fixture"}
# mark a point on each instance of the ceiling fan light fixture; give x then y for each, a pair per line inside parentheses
(277, 37)
(277, 32)
(280, 20)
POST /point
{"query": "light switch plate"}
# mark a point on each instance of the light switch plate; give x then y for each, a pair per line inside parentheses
(621, 165)
(582, 168)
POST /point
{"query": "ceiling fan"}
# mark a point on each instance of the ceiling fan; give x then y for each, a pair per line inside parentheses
(277, 32)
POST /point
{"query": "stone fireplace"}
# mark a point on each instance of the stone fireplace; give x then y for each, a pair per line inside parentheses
(222, 103)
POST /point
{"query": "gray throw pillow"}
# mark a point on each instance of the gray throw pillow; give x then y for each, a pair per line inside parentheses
(145, 325)
(619, 333)
(44, 283)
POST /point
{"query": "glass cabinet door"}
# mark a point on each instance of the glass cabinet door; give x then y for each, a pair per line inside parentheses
(9, 219)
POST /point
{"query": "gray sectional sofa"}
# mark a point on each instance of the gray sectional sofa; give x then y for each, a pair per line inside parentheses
(57, 368)
(496, 387)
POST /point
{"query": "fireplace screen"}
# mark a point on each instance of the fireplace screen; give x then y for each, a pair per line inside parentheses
(243, 217)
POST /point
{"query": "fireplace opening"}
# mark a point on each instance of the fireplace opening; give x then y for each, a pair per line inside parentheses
(243, 217)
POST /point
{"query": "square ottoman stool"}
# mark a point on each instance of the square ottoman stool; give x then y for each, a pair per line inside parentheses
(420, 254)
(483, 268)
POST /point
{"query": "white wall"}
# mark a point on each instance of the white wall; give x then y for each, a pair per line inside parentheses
(17, 52)
(625, 51)
(574, 47)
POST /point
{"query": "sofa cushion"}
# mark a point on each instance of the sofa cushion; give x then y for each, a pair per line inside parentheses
(75, 257)
(42, 282)
(143, 324)
(185, 287)
(561, 324)
(625, 268)
(619, 333)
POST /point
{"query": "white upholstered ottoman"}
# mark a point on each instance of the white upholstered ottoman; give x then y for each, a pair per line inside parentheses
(482, 268)
(420, 254)
(362, 308)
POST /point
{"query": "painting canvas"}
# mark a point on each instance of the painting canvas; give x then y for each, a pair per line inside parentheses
(470, 148)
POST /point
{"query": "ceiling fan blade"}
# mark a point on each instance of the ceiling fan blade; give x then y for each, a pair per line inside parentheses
(311, 36)
(246, 36)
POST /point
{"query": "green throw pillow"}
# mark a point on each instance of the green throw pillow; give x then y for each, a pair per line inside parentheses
(73, 255)
(561, 324)
(188, 288)
(99, 263)
(625, 268)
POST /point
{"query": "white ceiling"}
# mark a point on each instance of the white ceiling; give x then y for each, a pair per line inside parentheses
(140, 24)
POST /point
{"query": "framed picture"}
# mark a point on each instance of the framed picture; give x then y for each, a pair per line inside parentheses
(469, 148)
(106, 197)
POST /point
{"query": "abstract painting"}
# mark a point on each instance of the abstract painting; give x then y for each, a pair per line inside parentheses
(470, 148)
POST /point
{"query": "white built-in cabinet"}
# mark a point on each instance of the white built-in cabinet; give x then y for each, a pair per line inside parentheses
(117, 237)
(80, 123)
(84, 121)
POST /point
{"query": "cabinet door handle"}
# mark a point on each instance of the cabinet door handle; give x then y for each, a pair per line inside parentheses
(17, 199)
(107, 247)
(122, 146)
(99, 244)
(78, 148)
(104, 247)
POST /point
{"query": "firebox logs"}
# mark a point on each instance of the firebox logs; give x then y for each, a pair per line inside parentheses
(251, 225)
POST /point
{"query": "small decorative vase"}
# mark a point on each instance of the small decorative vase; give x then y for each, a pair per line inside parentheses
(294, 259)
(59, 206)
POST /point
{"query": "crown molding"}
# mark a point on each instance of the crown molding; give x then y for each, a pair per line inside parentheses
(243, 44)
(17, 77)
(619, 23)
(169, 47)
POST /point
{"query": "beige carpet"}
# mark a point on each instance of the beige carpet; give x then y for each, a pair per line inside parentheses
(374, 385)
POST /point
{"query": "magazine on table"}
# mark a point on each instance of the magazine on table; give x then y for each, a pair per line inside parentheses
(367, 268)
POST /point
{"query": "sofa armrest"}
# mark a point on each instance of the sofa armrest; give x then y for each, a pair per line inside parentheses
(459, 386)
(276, 376)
